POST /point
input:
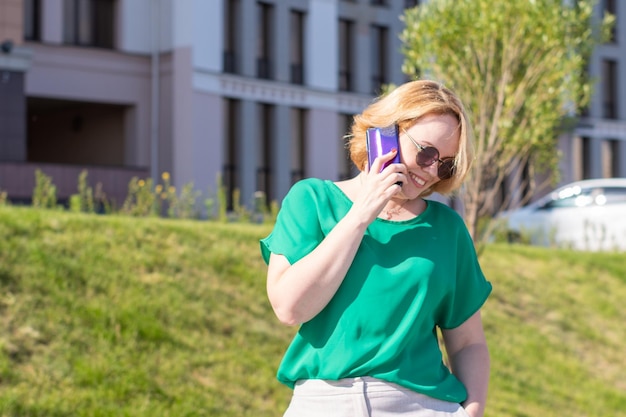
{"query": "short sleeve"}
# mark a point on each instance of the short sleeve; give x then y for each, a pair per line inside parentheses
(297, 230)
(470, 290)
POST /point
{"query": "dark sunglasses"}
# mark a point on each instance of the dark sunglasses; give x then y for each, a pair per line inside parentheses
(428, 155)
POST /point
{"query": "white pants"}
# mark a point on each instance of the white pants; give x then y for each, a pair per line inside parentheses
(365, 397)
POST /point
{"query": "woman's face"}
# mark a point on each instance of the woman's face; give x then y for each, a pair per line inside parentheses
(439, 131)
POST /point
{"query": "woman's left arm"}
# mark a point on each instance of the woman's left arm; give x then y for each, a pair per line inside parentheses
(469, 359)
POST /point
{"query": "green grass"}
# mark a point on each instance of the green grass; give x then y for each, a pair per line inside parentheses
(120, 316)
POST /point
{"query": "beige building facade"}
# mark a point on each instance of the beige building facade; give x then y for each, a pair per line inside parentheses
(254, 94)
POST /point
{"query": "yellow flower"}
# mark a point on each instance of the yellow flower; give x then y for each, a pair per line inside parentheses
(171, 189)
(141, 183)
(163, 196)
(165, 176)
(158, 189)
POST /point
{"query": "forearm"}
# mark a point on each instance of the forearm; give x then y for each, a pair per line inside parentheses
(471, 365)
(300, 292)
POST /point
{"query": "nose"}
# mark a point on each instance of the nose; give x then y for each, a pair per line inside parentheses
(432, 169)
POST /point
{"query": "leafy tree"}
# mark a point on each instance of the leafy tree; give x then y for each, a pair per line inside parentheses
(520, 68)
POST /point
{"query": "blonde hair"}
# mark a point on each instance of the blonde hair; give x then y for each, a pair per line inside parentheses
(405, 106)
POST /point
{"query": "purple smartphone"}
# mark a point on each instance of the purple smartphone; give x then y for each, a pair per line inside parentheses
(381, 140)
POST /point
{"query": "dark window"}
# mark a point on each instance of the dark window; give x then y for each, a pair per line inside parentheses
(609, 89)
(230, 170)
(346, 28)
(264, 172)
(411, 3)
(299, 128)
(610, 6)
(89, 23)
(380, 35)
(264, 39)
(297, 47)
(346, 168)
(32, 20)
(231, 30)
(614, 195)
(585, 111)
(613, 161)
(586, 157)
(579, 200)
(379, 2)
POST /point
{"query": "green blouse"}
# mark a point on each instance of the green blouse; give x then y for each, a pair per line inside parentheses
(407, 278)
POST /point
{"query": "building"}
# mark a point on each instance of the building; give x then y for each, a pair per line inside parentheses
(255, 94)
(597, 149)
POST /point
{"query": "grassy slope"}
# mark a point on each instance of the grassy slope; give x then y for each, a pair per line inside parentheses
(115, 316)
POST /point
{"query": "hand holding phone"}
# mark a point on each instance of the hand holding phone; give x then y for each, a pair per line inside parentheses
(380, 141)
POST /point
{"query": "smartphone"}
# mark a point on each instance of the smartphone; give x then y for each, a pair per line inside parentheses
(381, 140)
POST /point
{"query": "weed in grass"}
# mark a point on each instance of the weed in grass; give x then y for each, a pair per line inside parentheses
(85, 200)
(3, 198)
(45, 192)
(146, 198)
(141, 200)
(185, 206)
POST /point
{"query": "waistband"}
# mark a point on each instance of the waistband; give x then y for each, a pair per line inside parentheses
(347, 385)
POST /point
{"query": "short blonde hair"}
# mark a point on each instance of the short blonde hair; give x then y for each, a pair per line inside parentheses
(405, 106)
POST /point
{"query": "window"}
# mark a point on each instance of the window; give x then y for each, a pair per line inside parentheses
(346, 28)
(298, 149)
(610, 158)
(609, 89)
(89, 23)
(297, 47)
(574, 196)
(265, 36)
(230, 170)
(231, 29)
(379, 35)
(264, 173)
(573, 201)
(586, 157)
(32, 20)
(610, 6)
(583, 197)
(584, 111)
(379, 2)
(346, 168)
(614, 195)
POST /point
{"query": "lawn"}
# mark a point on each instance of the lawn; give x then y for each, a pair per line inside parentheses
(121, 316)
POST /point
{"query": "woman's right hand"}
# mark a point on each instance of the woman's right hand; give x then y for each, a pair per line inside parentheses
(378, 187)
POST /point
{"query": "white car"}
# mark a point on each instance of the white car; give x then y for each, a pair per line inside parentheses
(586, 215)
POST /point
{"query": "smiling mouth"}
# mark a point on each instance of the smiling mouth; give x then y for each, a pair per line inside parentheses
(417, 181)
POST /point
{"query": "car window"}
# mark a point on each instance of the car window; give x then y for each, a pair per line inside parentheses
(570, 198)
(612, 195)
(579, 197)
(561, 202)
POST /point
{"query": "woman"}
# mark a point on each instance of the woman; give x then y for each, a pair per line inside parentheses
(370, 271)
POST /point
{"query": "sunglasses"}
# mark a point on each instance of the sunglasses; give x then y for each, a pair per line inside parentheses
(428, 155)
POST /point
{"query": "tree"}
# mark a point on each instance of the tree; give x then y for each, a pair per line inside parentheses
(520, 68)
